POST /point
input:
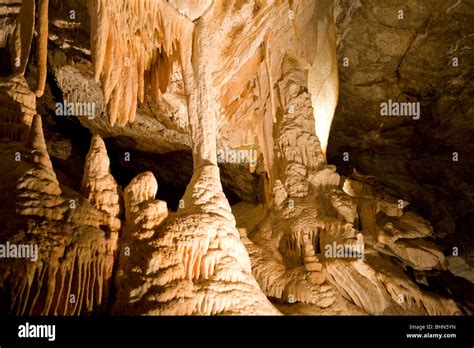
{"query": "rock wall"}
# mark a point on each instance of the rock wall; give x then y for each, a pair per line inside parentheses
(416, 52)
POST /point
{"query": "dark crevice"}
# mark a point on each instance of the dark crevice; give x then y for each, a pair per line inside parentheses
(70, 170)
(5, 62)
(172, 170)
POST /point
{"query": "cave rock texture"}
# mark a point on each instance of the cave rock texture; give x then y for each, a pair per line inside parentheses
(171, 157)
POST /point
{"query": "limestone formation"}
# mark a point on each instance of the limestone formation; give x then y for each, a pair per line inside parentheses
(129, 62)
(195, 264)
(71, 270)
(42, 46)
(201, 104)
(17, 108)
(98, 184)
(23, 36)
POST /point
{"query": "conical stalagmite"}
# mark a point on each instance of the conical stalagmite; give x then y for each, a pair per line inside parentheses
(72, 266)
(194, 265)
(143, 216)
(248, 89)
(98, 184)
(43, 178)
(139, 196)
(36, 140)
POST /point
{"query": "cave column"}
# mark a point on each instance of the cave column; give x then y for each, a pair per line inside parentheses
(197, 74)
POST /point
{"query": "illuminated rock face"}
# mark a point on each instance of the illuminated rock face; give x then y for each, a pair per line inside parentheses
(207, 77)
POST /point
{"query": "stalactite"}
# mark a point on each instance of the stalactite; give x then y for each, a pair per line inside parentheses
(17, 91)
(100, 23)
(123, 57)
(23, 36)
(194, 261)
(42, 47)
(268, 66)
(323, 81)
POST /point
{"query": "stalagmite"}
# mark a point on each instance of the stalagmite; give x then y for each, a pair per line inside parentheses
(142, 212)
(310, 212)
(249, 89)
(196, 259)
(71, 264)
(98, 184)
(143, 215)
(36, 140)
(43, 178)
